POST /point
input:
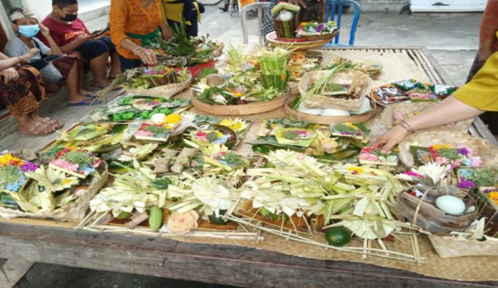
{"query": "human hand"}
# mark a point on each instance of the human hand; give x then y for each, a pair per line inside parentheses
(9, 74)
(391, 138)
(44, 30)
(83, 38)
(31, 53)
(146, 55)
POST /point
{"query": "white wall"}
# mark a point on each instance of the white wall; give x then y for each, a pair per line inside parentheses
(41, 8)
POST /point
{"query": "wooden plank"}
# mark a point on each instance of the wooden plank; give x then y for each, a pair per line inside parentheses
(13, 271)
(220, 264)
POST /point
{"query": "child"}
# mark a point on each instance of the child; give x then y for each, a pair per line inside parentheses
(72, 36)
(53, 66)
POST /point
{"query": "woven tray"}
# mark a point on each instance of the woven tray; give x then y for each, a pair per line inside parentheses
(408, 108)
(448, 247)
(486, 150)
(329, 119)
(165, 91)
(361, 82)
(325, 37)
(297, 44)
(76, 210)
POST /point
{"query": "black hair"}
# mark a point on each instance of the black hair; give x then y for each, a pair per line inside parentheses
(64, 3)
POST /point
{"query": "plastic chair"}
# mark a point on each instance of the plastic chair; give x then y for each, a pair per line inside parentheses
(335, 6)
(260, 7)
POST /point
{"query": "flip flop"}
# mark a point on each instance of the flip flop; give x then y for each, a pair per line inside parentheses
(100, 86)
(90, 95)
(39, 129)
(86, 103)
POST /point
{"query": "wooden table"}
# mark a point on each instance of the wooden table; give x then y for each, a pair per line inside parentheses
(26, 241)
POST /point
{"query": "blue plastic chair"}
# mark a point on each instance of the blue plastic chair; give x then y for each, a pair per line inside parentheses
(331, 6)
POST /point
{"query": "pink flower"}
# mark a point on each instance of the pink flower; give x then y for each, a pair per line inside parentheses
(97, 163)
(65, 165)
(144, 133)
(364, 156)
(441, 160)
(476, 161)
(373, 158)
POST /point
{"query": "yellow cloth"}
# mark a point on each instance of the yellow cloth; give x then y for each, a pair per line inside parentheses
(174, 11)
(482, 91)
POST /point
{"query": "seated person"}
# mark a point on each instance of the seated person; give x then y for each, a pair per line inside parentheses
(22, 90)
(53, 66)
(72, 36)
(190, 10)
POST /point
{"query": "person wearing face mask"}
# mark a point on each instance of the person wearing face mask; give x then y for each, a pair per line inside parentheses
(54, 67)
(72, 36)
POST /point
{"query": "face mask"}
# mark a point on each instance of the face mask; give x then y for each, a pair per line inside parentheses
(29, 30)
(70, 17)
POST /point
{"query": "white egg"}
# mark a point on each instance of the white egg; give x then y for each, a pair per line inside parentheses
(450, 205)
(158, 118)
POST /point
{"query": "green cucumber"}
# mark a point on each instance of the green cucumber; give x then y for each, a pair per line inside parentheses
(155, 218)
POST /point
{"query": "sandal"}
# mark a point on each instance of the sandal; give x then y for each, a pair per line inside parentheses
(86, 102)
(38, 129)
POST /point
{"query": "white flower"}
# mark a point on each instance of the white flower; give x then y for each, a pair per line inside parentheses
(434, 171)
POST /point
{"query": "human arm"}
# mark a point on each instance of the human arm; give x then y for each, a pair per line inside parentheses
(54, 48)
(448, 111)
(489, 27)
(166, 30)
(118, 18)
(6, 62)
(73, 45)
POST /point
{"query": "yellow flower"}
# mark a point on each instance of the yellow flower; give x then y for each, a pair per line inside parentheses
(493, 196)
(236, 126)
(437, 147)
(68, 181)
(5, 159)
(304, 23)
(173, 118)
(416, 113)
(356, 170)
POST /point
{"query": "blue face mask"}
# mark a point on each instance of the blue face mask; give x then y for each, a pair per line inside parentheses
(29, 30)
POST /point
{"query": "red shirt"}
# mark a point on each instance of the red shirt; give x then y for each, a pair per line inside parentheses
(63, 33)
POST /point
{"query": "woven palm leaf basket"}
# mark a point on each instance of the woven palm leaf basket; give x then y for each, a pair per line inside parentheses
(482, 148)
(409, 109)
(75, 210)
(165, 91)
(357, 80)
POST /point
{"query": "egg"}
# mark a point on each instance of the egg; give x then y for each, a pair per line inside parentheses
(158, 118)
(450, 205)
(398, 115)
(80, 190)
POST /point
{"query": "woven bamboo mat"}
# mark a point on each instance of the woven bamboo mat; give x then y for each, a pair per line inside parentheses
(397, 65)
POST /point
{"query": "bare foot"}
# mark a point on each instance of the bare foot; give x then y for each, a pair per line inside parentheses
(85, 92)
(76, 98)
(101, 83)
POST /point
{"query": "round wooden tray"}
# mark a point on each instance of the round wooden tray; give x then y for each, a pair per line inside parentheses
(236, 110)
(297, 44)
(329, 119)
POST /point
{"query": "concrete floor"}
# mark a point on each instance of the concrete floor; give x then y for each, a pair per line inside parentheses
(451, 38)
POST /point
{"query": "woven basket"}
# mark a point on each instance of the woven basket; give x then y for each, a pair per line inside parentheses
(319, 37)
(297, 44)
(75, 210)
(165, 91)
(486, 150)
(448, 247)
(357, 78)
(430, 218)
(408, 109)
(318, 119)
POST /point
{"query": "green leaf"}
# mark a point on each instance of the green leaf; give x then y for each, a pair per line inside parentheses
(161, 183)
